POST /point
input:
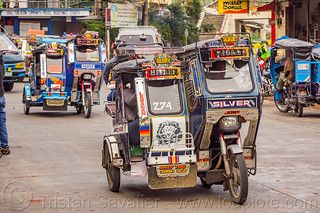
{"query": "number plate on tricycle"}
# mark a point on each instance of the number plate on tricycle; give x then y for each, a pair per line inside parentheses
(8, 73)
(55, 102)
(173, 170)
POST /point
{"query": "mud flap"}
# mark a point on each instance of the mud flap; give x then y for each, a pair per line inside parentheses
(156, 182)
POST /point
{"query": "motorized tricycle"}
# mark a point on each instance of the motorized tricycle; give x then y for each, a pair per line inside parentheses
(47, 84)
(87, 57)
(223, 95)
(298, 92)
(150, 134)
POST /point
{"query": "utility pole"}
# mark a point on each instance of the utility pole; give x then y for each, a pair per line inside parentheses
(146, 13)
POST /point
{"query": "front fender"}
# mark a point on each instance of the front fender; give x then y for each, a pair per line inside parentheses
(235, 149)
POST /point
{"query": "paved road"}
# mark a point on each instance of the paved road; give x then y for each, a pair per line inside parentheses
(55, 167)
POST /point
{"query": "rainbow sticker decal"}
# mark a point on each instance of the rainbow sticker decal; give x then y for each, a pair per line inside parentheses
(144, 131)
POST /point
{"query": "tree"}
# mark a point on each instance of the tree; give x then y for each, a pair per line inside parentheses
(173, 26)
(97, 26)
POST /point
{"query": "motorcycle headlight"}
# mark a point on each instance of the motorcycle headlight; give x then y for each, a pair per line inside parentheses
(87, 76)
(229, 124)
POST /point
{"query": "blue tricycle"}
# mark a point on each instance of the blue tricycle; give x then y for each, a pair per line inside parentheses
(303, 91)
(49, 80)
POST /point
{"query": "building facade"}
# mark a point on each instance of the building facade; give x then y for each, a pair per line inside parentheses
(298, 18)
(53, 16)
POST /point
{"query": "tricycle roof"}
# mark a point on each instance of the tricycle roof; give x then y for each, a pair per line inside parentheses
(286, 43)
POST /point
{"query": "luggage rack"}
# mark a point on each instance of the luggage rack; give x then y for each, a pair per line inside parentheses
(179, 152)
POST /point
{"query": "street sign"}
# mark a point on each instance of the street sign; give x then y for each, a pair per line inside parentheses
(233, 6)
(122, 15)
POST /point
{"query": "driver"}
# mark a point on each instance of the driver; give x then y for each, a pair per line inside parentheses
(131, 109)
(216, 70)
(287, 76)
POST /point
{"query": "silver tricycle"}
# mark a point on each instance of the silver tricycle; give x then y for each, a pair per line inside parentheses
(223, 99)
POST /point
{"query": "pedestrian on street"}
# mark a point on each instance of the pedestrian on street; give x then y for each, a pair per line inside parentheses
(4, 143)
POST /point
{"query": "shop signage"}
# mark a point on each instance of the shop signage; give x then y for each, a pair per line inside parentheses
(233, 6)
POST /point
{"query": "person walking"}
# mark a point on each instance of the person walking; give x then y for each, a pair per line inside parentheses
(4, 143)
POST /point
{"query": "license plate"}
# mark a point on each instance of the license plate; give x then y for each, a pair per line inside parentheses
(173, 170)
(55, 102)
(8, 73)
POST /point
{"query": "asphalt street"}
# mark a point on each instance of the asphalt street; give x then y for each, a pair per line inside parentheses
(55, 166)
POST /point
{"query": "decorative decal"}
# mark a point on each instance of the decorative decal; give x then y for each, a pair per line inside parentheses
(232, 103)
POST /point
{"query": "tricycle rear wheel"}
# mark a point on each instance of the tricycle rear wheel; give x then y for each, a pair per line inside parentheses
(113, 173)
(26, 107)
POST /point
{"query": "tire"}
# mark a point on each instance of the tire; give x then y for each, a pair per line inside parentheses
(26, 107)
(87, 106)
(205, 184)
(112, 173)
(239, 175)
(79, 109)
(8, 86)
(283, 108)
(299, 110)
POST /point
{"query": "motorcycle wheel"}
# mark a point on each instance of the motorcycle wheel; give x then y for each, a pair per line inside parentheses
(205, 184)
(299, 110)
(113, 173)
(87, 107)
(26, 107)
(238, 183)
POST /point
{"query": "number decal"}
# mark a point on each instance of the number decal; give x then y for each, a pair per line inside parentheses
(158, 106)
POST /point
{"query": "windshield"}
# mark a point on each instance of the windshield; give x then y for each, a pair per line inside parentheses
(164, 97)
(54, 65)
(228, 76)
(87, 54)
(6, 43)
(137, 39)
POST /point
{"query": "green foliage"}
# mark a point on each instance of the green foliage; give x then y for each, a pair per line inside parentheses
(173, 27)
(208, 28)
(256, 36)
(193, 10)
(98, 26)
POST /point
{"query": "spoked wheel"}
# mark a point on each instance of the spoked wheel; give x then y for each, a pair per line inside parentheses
(87, 107)
(205, 184)
(26, 107)
(113, 173)
(238, 183)
(299, 110)
(281, 105)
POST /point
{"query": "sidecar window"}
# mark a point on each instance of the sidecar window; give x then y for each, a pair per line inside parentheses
(164, 97)
(228, 76)
(55, 65)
